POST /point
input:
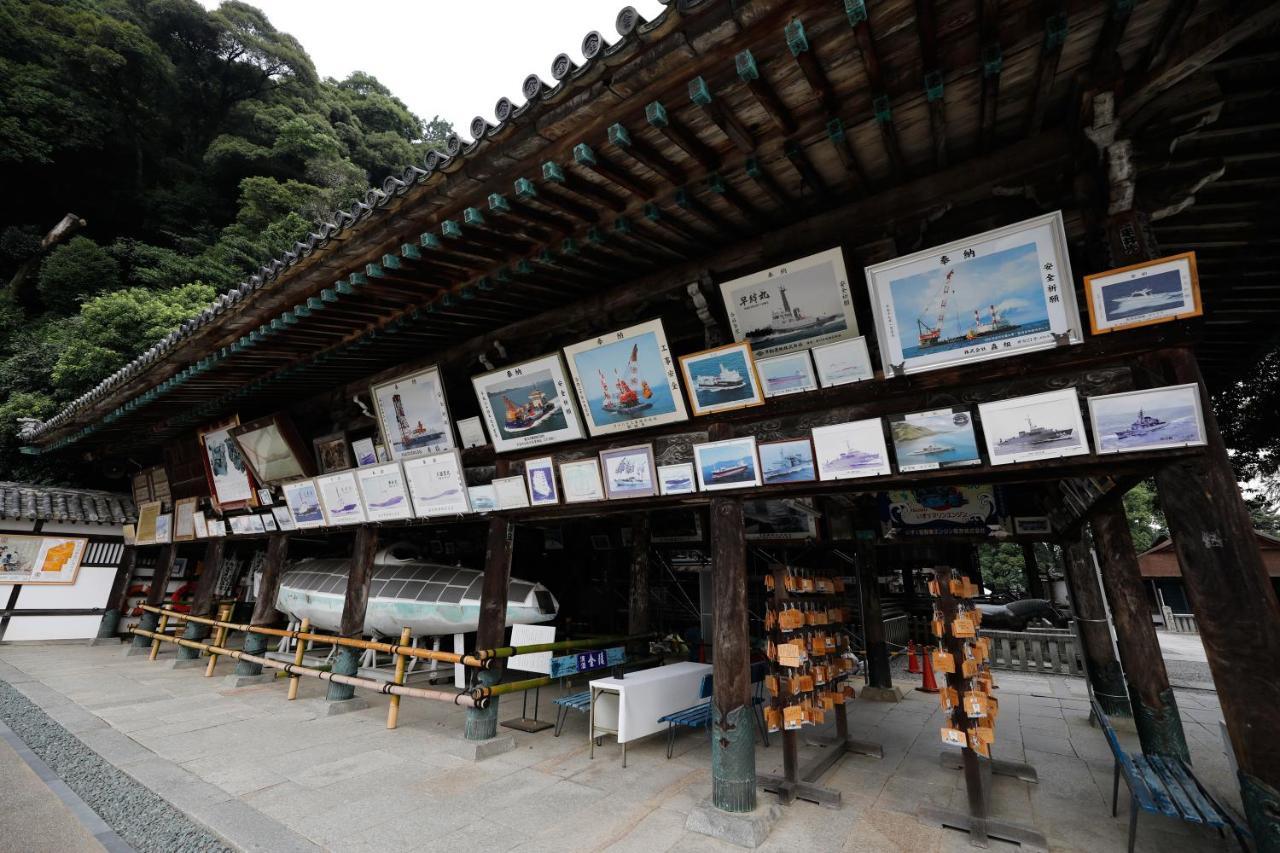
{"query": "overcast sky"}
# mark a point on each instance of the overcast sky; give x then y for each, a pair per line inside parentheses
(461, 56)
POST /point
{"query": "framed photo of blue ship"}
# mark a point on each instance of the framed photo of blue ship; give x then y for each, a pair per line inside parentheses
(629, 472)
(677, 479)
(1004, 292)
(728, 464)
(541, 474)
(413, 414)
(437, 485)
(787, 374)
(788, 461)
(385, 493)
(581, 482)
(1040, 426)
(721, 379)
(528, 404)
(1158, 291)
(793, 306)
(340, 498)
(843, 362)
(942, 438)
(851, 450)
(1151, 419)
(627, 380)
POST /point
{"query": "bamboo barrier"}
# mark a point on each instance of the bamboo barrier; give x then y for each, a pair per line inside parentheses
(393, 711)
(220, 638)
(155, 644)
(299, 652)
(559, 645)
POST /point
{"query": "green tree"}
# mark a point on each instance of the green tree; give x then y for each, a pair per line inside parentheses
(75, 271)
(1146, 520)
(1003, 569)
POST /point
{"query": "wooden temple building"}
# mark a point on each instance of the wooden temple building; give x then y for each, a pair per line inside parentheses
(722, 138)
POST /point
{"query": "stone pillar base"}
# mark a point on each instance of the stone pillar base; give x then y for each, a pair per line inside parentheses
(188, 663)
(881, 694)
(105, 641)
(745, 829)
(333, 707)
(479, 750)
(132, 651)
(234, 680)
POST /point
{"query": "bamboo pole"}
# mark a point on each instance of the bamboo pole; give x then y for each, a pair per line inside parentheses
(297, 660)
(559, 645)
(155, 645)
(220, 638)
(393, 710)
(486, 691)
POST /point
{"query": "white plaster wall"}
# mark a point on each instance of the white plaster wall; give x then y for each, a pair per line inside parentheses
(52, 628)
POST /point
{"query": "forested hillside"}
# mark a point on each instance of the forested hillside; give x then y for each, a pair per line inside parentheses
(194, 145)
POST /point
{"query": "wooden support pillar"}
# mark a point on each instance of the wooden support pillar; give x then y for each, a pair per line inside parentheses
(1093, 628)
(879, 675)
(264, 609)
(733, 749)
(1035, 584)
(155, 595)
(1235, 606)
(638, 599)
(347, 660)
(482, 723)
(202, 601)
(1155, 713)
(119, 595)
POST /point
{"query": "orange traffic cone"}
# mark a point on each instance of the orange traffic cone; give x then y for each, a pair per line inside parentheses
(927, 685)
(913, 663)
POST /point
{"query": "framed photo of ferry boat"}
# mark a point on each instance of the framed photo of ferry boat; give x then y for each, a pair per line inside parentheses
(787, 461)
(793, 306)
(850, 450)
(230, 480)
(541, 476)
(511, 492)
(787, 374)
(1041, 426)
(273, 449)
(528, 404)
(999, 293)
(728, 464)
(1151, 419)
(843, 362)
(385, 492)
(413, 414)
(581, 481)
(1158, 291)
(721, 379)
(777, 520)
(483, 498)
(629, 472)
(677, 479)
(303, 500)
(340, 499)
(437, 484)
(942, 438)
(627, 380)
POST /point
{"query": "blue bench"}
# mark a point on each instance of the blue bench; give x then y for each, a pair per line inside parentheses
(699, 716)
(573, 702)
(1163, 784)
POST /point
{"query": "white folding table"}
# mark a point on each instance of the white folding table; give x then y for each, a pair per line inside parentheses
(629, 708)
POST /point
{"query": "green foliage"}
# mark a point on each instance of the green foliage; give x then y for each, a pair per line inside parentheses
(1247, 417)
(1146, 520)
(75, 271)
(1003, 568)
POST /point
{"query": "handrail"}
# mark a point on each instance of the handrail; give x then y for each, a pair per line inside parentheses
(559, 645)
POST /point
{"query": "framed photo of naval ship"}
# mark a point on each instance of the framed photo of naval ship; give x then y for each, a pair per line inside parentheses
(849, 450)
(340, 499)
(787, 461)
(413, 415)
(1158, 291)
(793, 306)
(1151, 419)
(791, 373)
(995, 294)
(1041, 426)
(627, 380)
(676, 479)
(528, 404)
(721, 379)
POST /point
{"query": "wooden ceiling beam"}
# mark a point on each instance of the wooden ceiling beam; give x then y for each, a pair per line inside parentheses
(1172, 22)
(799, 160)
(678, 135)
(766, 98)
(840, 143)
(586, 158)
(671, 224)
(1105, 66)
(1055, 35)
(819, 85)
(881, 103)
(691, 204)
(934, 87)
(991, 60)
(526, 191)
(552, 173)
(503, 207)
(757, 172)
(646, 155)
(721, 116)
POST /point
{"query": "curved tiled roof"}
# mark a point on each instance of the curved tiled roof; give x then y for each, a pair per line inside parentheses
(52, 503)
(632, 29)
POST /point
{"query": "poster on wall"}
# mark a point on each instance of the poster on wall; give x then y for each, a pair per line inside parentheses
(386, 498)
(528, 404)
(413, 414)
(1000, 293)
(230, 481)
(340, 498)
(793, 306)
(627, 380)
(437, 485)
(941, 511)
(26, 559)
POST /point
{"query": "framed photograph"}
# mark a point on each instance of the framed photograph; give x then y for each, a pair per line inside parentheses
(843, 362)
(942, 438)
(437, 485)
(362, 450)
(483, 498)
(340, 498)
(253, 523)
(34, 559)
(528, 404)
(627, 380)
(779, 520)
(1152, 419)
(677, 479)
(264, 497)
(850, 450)
(581, 481)
(1030, 525)
(147, 514)
(386, 497)
(1041, 426)
(787, 461)
(721, 379)
(284, 519)
(601, 542)
(541, 476)
(200, 525)
(413, 414)
(471, 433)
(184, 527)
(675, 525)
(380, 450)
(787, 374)
(268, 521)
(511, 492)
(240, 525)
(1158, 291)
(333, 453)
(791, 307)
(164, 528)
(629, 472)
(129, 533)
(217, 527)
(230, 481)
(303, 500)
(273, 449)
(1004, 292)
(728, 464)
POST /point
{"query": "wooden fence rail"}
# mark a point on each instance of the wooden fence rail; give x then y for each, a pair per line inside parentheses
(1046, 652)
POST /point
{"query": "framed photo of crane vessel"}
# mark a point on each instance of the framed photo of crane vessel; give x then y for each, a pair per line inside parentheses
(1000, 293)
(627, 380)
(528, 404)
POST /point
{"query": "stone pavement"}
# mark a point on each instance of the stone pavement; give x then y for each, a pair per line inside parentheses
(268, 774)
(32, 811)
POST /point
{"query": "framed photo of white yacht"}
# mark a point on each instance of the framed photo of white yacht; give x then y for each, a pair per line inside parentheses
(528, 404)
(303, 500)
(728, 464)
(1158, 291)
(629, 472)
(627, 380)
(386, 496)
(787, 461)
(541, 476)
(437, 485)
(340, 498)
(677, 479)
(511, 492)
(1041, 426)
(792, 306)
(1151, 419)
(580, 481)
(787, 374)
(843, 362)
(942, 438)
(1003, 292)
(851, 450)
(721, 379)
(413, 414)
(483, 498)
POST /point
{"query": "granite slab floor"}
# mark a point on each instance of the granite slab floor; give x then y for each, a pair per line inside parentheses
(268, 774)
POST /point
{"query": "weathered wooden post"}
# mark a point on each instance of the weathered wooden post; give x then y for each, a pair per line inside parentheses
(879, 686)
(1093, 628)
(264, 612)
(202, 601)
(155, 597)
(347, 660)
(117, 599)
(733, 753)
(1030, 567)
(1234, 604)
(638, 600)
(482, 723)
(1155, 712)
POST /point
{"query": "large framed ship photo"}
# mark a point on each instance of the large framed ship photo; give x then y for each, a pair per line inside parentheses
(528, 404)
(627, 380)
